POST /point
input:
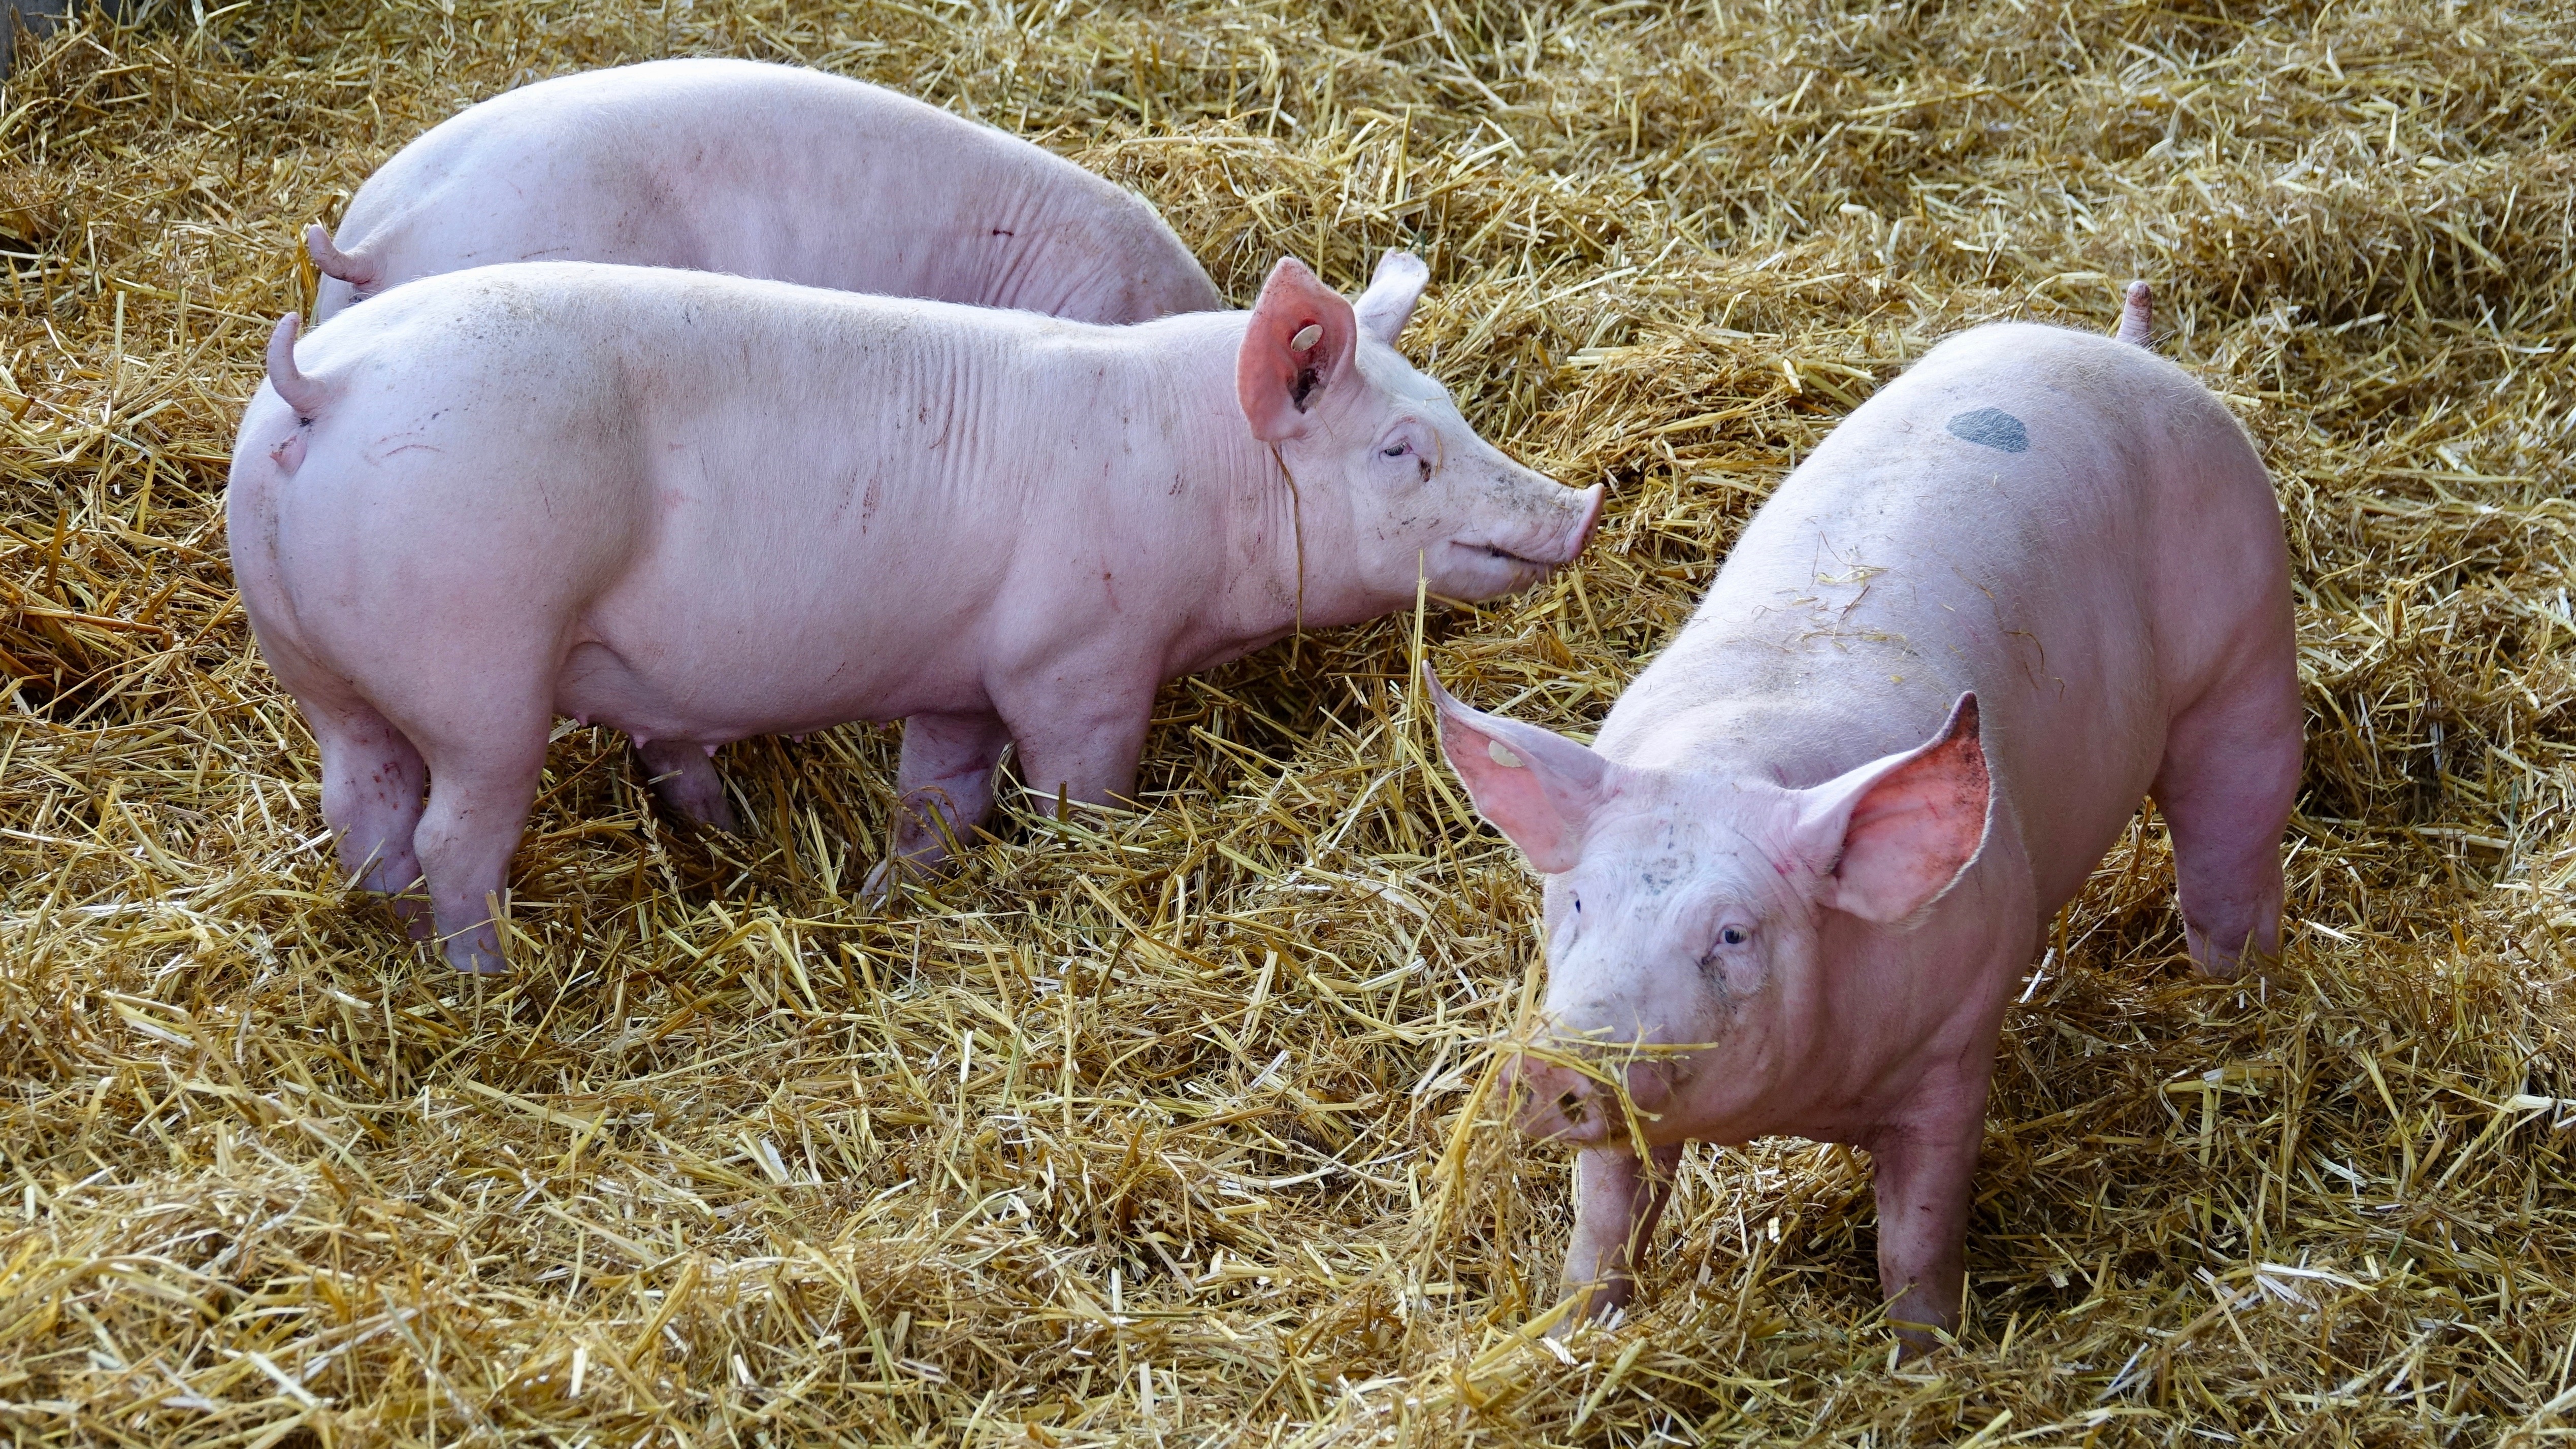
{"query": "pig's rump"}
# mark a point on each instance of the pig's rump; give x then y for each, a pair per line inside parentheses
(650, 499)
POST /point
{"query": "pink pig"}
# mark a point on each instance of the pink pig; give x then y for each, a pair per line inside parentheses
(697, 508)
(1792, 886)
(761, 171)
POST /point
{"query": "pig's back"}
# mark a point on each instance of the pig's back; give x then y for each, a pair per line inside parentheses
(769, 171)
(620, 369)
(2065, 524)
(704, 478)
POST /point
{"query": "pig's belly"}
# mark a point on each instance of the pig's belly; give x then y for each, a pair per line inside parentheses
(714, 691)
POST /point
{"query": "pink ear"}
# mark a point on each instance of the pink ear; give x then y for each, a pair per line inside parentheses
(1902, 830)
(1392, 292)
(1537, 787)
(1277, 381)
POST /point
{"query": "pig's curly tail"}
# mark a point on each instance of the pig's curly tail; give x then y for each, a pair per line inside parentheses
(300, 392)
(2137, 323)
(354, 268)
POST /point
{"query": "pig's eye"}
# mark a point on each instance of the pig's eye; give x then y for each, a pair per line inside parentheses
(1395, 450)
(1733, 936)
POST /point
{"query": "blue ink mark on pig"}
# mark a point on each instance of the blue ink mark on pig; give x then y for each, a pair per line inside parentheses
(1992, 428)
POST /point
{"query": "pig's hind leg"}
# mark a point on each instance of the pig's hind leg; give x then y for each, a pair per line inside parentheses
(481, 785)
(2229, 776)
(945, 779)
(372, 781)
(684, 775)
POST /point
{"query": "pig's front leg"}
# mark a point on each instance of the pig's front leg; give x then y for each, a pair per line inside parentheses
(945, 780)
(1082, 741)
(1926, 1170)
(1618, 1199)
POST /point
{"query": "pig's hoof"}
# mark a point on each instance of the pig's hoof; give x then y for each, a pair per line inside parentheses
(2215, 966)
(1604, 1306)
(2244, 970)
(878, 888)
(2229, 954)
(886, 882)
(412, 917)
(472, 960)
(893, 873)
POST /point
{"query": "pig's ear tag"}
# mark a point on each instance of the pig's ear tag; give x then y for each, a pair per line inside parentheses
(1503, 757)
(1306, 338)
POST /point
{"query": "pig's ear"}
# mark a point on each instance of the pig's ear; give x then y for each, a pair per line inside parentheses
(1388, 303)
(1298, 348)
(1898, 832)
(1537, 787)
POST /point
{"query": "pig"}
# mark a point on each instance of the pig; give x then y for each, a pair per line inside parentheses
(697, 508)
(1792, 884)
(763, 171)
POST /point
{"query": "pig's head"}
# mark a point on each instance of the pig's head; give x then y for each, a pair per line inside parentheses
(1695, 922)
(1389, 477)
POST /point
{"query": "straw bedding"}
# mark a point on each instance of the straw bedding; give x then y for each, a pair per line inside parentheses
(1177, 1126)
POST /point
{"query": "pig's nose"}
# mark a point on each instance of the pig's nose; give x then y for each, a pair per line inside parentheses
(1592, 500)
(1571, 543)
(1559, 1101)
(1566, 1102)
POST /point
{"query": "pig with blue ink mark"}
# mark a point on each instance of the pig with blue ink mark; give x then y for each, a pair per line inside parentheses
(1791, 887)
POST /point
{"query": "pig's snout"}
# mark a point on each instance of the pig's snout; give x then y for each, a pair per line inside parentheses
(1548, 534)
(1556, 540)
(1581, 1103)
(1588, 520)
(1522, 530)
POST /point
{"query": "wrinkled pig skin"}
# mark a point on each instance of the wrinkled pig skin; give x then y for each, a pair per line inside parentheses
(760, 171)
(1793, 884)
(697, 508)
